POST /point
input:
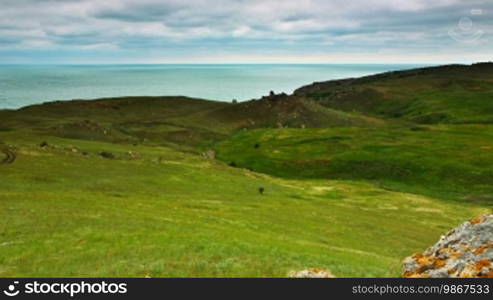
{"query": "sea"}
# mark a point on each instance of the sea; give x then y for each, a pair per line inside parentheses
(23, 85)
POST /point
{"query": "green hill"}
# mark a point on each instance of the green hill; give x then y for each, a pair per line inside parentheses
(445, 94)
(174, 120)
(449, 158)
(443, 161)
(278, 111)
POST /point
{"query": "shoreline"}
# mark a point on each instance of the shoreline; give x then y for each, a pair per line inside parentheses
(212, 81)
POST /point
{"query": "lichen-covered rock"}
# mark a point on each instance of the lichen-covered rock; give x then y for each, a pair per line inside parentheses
(311, 273)
(466, 251)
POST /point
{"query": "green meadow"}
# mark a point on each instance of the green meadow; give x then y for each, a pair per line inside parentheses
(179, 187)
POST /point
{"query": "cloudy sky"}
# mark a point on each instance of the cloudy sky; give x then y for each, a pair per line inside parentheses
(167, 31)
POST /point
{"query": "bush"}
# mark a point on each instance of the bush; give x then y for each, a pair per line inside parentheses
(107, 154)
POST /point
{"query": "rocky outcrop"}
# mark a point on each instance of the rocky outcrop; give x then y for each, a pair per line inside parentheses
(311, 273)
(466, 251)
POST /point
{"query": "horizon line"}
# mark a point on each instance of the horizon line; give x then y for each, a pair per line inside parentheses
(248, 63)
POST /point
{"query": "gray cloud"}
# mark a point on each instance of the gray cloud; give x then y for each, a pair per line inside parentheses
(173, 28)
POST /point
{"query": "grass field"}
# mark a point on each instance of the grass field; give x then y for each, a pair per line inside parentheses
(174, 214)
(121, 187)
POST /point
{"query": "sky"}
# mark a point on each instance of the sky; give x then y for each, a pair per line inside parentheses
(245, 31)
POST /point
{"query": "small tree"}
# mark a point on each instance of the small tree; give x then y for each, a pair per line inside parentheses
(234, 101)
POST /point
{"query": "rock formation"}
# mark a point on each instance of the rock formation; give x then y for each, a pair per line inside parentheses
(466, 251)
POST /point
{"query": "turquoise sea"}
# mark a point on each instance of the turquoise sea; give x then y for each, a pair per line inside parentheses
(22, 85)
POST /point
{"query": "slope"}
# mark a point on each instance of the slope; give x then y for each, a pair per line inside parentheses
(445, 94)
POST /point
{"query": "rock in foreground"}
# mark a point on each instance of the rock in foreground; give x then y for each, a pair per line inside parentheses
(466, 251)
(311, 273)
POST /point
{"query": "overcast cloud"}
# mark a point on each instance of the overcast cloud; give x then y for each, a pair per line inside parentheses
(149, 31)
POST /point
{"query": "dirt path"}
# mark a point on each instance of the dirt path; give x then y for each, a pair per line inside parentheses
(9, 156)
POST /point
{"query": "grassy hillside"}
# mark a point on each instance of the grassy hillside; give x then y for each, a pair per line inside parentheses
(352, 180)
(446, 94)
(448, 162)
(67, 211)
(279, 111)
(173, 120)
(157, 120)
